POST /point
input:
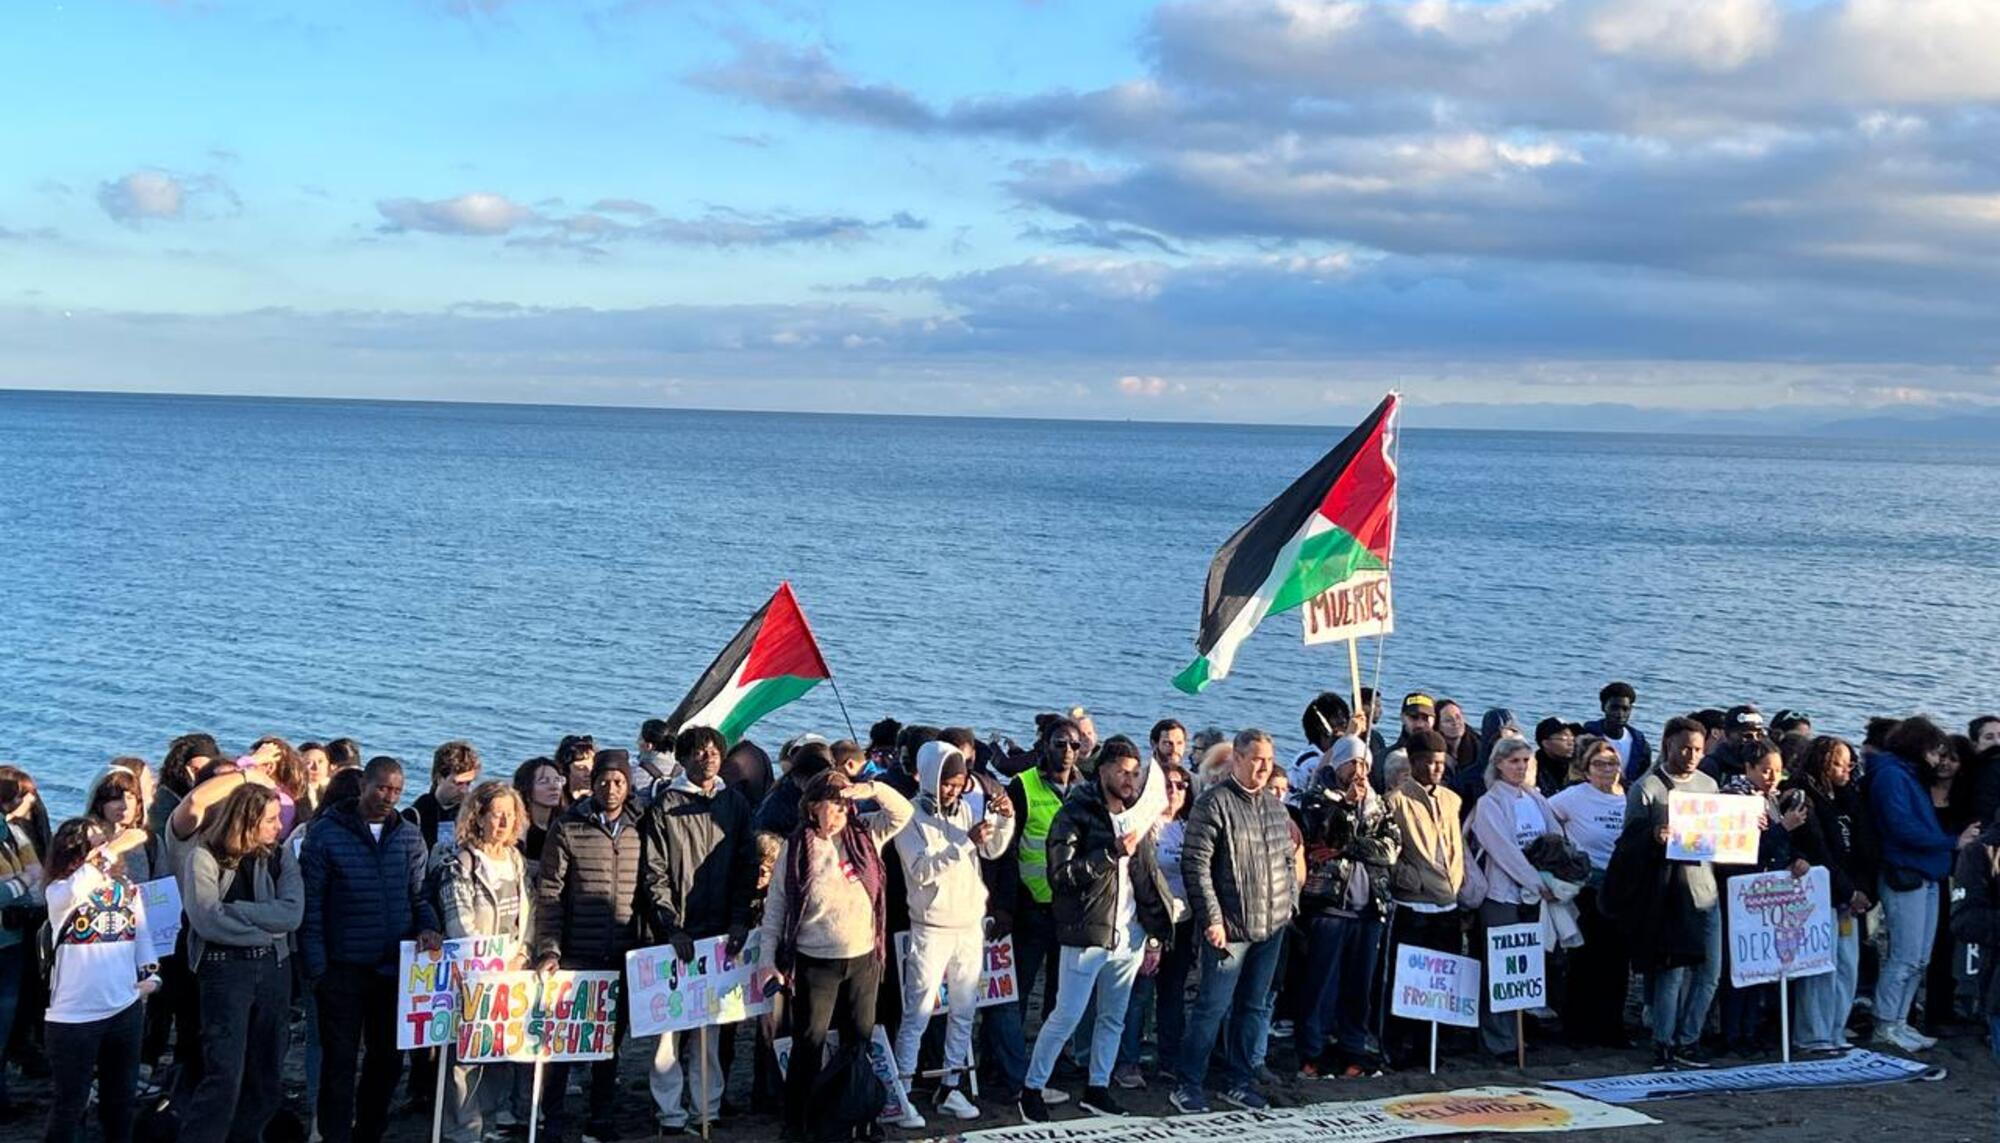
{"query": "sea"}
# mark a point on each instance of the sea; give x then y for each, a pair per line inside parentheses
(408, 573)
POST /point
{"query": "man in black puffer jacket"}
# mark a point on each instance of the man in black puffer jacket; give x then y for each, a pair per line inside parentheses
(699, 861)
(1111, 915)
(586, 917)
(364, 876)
(1237, 861)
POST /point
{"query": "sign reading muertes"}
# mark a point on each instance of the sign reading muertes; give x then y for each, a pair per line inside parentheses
(1435, 986)
(996, 979)
(673, 995)
(163, 914)
(1356, 606)
(521, 1017)
(427, 985)
(1466, 1111)
(1516, 969)
(1713, 827)
(1780, 926)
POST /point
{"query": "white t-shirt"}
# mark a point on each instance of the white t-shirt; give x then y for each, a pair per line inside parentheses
(376, 829)
(1127, 914)
(1592, 819)
(1303, 769)
(101, 946)
(1529, 822)
(1623, 745)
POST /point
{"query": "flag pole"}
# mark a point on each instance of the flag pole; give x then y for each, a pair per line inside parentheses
(844, 716)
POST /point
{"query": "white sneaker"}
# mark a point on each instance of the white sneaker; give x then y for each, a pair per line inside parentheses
(954, 1103)
(1053, 1096)
(909, 1120)
(1903, 1036)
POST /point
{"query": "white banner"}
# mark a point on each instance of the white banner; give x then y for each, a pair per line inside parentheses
(1516, 969)
(1713, 827)
(1855, 1069)
(1357, 606)
(1467, 1111)
(427, 985)
(997, 983)
(672, 995)
(163, 914)
(1780, 926)
(1435, 986)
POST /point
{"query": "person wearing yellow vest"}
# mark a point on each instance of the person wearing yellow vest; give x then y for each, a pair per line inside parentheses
(1037, 793)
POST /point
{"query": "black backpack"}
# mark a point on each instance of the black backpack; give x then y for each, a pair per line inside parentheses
(847, 1098)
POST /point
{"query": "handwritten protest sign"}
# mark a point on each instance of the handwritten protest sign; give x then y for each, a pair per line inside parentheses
(1146, 809)
(1516, 967)
(673, 995)
(163, 914)
(527, 1016)
(997, 983)
(1780, 926)
(1435, 986)
(427, 985)
(1359, 605)
(1713, 827)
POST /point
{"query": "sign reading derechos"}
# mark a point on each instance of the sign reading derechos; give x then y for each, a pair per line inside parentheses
(1780, 926)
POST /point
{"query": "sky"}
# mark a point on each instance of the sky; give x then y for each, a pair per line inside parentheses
(1236, 210)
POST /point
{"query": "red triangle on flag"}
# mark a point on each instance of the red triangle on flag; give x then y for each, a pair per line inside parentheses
(785, 644)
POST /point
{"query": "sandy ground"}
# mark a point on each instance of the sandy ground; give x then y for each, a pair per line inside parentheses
(1963, 1106)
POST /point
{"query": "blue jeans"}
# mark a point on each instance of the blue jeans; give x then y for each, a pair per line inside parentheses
(1993, 1036)
(1820, 1004)
(1235, 989)
(1913, 921)
(1340, 972)
(1106, 975)
(1006, 1045)
(13, 963)
(1679, 997)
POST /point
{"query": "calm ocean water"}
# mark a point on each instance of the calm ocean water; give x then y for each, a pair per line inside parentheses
(407, 573)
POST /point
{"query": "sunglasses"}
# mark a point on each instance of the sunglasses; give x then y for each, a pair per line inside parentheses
(1065, 744)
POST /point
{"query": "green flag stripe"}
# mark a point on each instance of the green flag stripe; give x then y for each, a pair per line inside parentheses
(763, 697)
(1324, 560)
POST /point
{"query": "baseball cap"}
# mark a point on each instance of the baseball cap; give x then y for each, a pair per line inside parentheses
(1418, 700)
(1742, 717)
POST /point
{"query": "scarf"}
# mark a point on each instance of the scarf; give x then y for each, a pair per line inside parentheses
(857, 846)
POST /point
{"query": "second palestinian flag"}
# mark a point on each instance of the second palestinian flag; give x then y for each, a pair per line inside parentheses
(771, 662)
(1336, 520)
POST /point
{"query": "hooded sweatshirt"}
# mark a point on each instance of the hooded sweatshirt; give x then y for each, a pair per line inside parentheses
(940, 862)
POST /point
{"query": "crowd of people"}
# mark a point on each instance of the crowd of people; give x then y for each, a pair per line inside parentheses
(1234, 919)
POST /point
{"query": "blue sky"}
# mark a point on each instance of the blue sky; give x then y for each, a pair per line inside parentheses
(1239, 209)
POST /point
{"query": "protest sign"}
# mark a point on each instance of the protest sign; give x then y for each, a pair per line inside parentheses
(163, 914)
(1780, 926)
(996, 978)
(427, 985)
(1435, 986)
(1468, 1111)
(1855, 1069)
(672, 995)
(526, 1017)
(1713, 827)
(1357, 606)
(880, 1058)
(1516, 968)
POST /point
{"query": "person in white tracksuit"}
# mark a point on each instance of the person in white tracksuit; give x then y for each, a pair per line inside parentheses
(940, 852)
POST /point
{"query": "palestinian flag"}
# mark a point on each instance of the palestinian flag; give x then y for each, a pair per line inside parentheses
(771, 662)
(1336, 520)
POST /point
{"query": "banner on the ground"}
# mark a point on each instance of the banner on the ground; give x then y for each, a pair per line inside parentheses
(1854, 1069)
(672, 995)
(427, 985)
(1713, 827)
(997, 983)
(881, 1058)
(1516, 968)
(1478, 1109)
(1359, 605)
(1780, 926)
(1435, 986)
(162, 899)
(522, 1017)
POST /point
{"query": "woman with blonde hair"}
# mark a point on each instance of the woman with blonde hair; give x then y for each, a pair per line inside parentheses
(244, 896)
(1509, 819)
(484, 892)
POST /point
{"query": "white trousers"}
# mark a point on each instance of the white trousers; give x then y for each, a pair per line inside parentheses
(668, 1077)
(952, 957)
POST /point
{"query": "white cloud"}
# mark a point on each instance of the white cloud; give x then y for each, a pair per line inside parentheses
(152, 195)
(1708, 35)
(477, 213)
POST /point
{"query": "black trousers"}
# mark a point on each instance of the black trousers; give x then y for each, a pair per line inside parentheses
(603, 1097)
(357, 1031)
(106, 1050)
(1593, 999)
(828, 995)
(246, 1007)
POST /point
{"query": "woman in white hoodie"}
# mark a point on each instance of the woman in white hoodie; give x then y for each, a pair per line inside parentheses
(940, 851)
(1505, 823)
